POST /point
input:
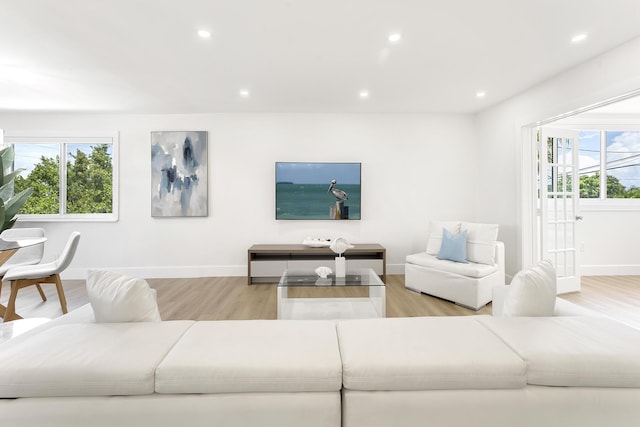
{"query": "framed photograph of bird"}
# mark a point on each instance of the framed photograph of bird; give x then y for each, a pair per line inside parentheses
(313, 190)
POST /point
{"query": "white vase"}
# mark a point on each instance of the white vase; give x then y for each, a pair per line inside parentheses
(341, 266)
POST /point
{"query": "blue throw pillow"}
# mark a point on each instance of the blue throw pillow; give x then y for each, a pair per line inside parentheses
(453, 248)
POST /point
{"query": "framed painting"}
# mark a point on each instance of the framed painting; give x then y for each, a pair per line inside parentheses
(179, 173)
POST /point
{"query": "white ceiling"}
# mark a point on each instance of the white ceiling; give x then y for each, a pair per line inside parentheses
(144, 56)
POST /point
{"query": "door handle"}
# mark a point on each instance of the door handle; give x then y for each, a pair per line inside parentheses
(579, 217)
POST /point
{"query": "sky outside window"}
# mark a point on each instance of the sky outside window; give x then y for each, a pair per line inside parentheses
(623, 157)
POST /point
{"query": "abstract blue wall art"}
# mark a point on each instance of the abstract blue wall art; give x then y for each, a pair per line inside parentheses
(179, 173)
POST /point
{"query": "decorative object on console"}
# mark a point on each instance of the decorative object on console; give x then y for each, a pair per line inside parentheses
(316, 242)
(339, 246)
(302, 193)
(179, 174)
(323, 272)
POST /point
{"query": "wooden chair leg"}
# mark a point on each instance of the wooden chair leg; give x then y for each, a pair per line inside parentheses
(44, 297)
(63, 300)
(10, 312)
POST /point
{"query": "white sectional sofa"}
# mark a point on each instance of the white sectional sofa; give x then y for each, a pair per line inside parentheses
(437, 371)
(467, 283)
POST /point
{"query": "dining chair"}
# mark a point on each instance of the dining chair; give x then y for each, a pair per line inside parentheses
(25, 256)
(49, 272)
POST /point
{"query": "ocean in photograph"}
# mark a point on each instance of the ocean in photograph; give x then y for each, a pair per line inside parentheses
(179, 173)
(313, 201)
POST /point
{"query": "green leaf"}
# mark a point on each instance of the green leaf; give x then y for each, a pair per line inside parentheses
(7, 154)
(13, 206)
(6, 191)
(11, 176)
(9, 224)
(2, 215)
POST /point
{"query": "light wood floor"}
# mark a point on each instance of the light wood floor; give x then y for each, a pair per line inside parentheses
(218, 298)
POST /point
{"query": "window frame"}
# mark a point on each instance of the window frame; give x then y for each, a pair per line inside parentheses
(64, 138)
(606, 124)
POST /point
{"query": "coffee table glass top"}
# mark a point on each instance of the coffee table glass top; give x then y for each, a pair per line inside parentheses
(365, 277)
(311, 302)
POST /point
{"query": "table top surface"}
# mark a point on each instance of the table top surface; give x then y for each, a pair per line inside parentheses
(358, 277)
(276, 248)
(6, 245)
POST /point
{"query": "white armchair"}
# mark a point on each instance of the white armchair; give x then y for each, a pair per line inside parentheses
(469, 283)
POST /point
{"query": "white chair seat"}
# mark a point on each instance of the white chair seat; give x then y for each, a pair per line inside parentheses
(26, 256)
(32, 271)
(470, 269)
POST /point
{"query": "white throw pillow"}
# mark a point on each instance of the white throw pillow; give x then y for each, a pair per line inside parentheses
(435, 234)
(481, 242)
(532, 292)
(118, 298)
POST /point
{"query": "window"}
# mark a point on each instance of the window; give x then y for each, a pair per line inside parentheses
(73, 176)
(610, 164)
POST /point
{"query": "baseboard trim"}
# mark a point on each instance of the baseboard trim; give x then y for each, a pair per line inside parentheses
(185, 272)
(163, 272)
(610, 270)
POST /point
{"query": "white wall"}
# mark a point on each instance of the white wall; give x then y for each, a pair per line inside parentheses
(414, 168)
(499, 132)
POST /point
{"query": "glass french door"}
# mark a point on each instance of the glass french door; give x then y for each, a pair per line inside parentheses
(558, 198)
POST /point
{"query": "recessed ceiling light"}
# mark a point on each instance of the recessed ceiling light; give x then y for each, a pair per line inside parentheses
(364, 94)
(481, 94)
(244, 93)
(579, 38)
(204, 34)
(394, 37)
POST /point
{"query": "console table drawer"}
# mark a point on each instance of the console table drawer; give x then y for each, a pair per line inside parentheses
(310, 265)
(268, 268)
(376, 265)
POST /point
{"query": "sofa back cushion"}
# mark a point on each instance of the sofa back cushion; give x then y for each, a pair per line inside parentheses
(436, 228)
(532, 291)
(118, 298)
(481, 242)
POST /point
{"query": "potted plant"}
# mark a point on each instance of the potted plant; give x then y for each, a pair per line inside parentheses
(10, 203)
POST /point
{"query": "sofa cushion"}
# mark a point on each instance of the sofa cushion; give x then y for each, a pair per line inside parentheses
(91, 359)
(532, 292)
(426, 353)
(118, 298)
(481, 242)
(253, 356)
(470, 269)
(453, 247)
(573, 351)
(434, 240)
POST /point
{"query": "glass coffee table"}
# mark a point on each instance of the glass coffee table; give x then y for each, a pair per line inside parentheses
(311, 307)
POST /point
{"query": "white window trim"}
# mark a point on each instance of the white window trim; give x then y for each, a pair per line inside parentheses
(97, 137)
(607, 124)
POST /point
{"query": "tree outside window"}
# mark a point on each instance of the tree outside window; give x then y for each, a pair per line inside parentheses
(72, 175)
(610, 161)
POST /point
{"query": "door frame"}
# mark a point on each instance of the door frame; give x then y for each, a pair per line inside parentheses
(526, 155)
